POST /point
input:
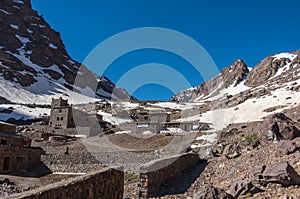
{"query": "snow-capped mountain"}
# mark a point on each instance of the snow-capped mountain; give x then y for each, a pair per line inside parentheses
(233, 80)
(272, 86)
(34, 65)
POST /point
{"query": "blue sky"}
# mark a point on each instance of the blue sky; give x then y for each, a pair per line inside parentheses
(228, 30)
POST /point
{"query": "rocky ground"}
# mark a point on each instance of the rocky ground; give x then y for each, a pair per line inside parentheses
(253, 160)
(249, 160)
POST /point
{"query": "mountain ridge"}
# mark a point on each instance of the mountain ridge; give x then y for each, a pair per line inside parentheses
(33, 60)
(277, 68)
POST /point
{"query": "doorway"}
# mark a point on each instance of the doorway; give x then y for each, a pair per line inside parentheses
(6, 164)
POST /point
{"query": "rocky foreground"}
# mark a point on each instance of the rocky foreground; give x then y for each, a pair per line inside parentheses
(251, 160)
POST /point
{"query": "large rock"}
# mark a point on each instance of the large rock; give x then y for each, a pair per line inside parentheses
(232, 151)
(208, 191)
(241, 187)
(280, 173)
(280, 127)
(284, 147)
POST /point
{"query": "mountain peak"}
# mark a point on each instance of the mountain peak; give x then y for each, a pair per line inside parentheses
(272, 67)
(33, 59)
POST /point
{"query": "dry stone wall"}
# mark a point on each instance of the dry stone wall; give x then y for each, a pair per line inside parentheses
(156, 172)
(104, 184)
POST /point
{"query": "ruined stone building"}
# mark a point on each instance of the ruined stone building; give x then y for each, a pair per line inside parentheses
(16, 153)
(61, 114)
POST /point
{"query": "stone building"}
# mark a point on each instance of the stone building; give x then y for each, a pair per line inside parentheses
(152, 116)
(61, 114)
(16, 153)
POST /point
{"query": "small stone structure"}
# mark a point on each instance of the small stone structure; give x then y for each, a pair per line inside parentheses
(61, 114)
(16, 153)
(104, 184)
(153, 174)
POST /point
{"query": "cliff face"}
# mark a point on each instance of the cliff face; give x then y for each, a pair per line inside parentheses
(32, 55)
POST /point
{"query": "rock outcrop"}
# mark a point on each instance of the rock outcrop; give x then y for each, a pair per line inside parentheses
(280, 127)
(229, 76)
(280, 173)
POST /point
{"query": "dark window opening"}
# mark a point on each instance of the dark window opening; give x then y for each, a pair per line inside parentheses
(60, 110)
(3, 142)
(61, 118)
(20, 159)
(57, 118)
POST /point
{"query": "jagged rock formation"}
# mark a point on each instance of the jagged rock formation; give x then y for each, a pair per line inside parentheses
(231, 75)
(273, 70)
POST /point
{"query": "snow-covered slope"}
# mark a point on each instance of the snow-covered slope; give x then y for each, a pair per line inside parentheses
(271, 86)
(34, 65)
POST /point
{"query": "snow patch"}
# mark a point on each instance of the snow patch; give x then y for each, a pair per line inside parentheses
(52, 46)
(14, 26)
(284, 55)
(113, 120)
(5, 12)
(24, 40)
(22, 112)
(18, 1)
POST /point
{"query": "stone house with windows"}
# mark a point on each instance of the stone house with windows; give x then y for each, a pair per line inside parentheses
(16, 153)
(61, 115)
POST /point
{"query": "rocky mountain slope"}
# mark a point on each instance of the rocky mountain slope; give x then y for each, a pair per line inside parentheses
(35, 66)
(276, 69)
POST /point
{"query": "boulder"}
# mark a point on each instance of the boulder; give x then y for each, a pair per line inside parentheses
(232, 151)
(284, 147)
(280, 127)
(241, 187)
(280, 173)
(208, 191)
(218, 149)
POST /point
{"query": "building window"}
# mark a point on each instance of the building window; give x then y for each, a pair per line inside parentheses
(20, 159)
(3, 142)
(61, 118)
(60, 110)
(57, 118)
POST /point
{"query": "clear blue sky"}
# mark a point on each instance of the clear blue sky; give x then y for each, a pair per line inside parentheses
(228, 30)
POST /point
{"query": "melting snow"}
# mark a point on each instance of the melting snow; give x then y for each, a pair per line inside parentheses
(285, 55)
(113, 120)
(14, 26)
(22, 112)
(5, 12)
(24, 40)
(252, 109)
(231, 90)
(17, 7)
(52, 46)
(29, 30)
(18, 1)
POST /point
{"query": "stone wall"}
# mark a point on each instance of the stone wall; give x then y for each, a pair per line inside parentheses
(156, 172)
(103, 184)
(7, 128)
(18, 159)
